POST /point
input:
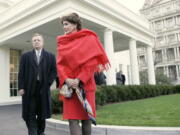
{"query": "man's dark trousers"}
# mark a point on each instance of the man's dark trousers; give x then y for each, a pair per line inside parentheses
(35, 123)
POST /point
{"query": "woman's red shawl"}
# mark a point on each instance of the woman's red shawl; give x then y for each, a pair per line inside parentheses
(80, 50)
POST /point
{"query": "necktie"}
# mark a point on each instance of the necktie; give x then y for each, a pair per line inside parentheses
(38, 60)
(38, 57)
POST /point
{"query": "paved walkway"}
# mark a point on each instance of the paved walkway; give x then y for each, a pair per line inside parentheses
(11, 122)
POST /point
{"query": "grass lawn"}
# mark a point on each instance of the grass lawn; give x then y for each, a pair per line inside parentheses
(163, 111)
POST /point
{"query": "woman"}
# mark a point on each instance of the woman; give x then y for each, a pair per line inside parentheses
(80, 54)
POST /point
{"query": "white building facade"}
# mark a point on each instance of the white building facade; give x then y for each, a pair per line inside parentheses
(120, 30)
(164, 17)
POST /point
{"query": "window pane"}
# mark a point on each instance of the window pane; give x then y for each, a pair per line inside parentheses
(14, 64)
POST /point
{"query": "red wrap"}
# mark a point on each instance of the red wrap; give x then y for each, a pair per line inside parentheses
(80, 54)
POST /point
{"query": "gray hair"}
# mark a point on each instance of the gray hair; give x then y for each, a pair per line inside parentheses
(37, 34)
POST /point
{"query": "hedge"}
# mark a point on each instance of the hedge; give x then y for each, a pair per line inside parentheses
(118, 93)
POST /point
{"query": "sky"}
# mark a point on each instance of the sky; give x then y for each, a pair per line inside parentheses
(134, 5)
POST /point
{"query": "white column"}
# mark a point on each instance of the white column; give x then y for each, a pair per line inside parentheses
(154, 41)
(177, 72)
(153, 26)
(164, 25)
(134, 62)
(164, 70)
(166, 39)
(175, 54)
(174, 19)
(4, 73)
(108, 45)
(177, 20)
(167, 71)
(176, 37)
(178, 55)
(150, 64)
(165, 54)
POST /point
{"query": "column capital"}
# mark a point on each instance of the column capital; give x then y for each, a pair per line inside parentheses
(108, 30)
(132, 39)
(150, 45)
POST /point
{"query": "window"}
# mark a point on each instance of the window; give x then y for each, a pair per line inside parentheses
(178, 20)
(141, 50)
(158, 56)
(160, 40)
(178, 6)
(160, 70)
(142, 60)
(120, 67)
(172, 72)
(170, 54)
(158, 25)
(167, 8)
(146, 13)
(169, 22)
(14, 67)
(156, 12)
(171, 38)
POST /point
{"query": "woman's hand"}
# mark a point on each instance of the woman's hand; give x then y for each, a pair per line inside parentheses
(75, 83)
(69, 82)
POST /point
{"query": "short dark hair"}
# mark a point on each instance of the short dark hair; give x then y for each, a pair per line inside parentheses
(72, 18)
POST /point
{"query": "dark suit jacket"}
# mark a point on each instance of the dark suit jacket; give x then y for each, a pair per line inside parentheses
(27, 78)
(100, 78)
(120, 78)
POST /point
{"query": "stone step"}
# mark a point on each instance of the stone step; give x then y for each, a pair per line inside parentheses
(115, 130)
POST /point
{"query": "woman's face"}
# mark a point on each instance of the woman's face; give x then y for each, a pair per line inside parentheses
(69, 27)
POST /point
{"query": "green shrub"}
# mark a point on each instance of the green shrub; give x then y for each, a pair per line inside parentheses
(161, 79)
(111, 94)
(118, 93)
(56, 105)
(177, 88)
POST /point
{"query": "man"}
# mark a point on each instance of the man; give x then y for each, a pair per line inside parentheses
(37, 72)
(100, 78)
(120, 78)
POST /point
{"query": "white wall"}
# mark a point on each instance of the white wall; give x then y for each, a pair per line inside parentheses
(124, 59)
(4, 74)
(4, 78)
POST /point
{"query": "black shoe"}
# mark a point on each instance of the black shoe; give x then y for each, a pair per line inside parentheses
(42, 134)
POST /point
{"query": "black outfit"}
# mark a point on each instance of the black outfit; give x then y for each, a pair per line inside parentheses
(36, 80)
(100, 78)
(120, 78)
(57, 82)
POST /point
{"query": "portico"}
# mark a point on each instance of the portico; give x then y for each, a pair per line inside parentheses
(119, 29)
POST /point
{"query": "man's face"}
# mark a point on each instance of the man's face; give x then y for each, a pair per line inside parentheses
(37, 42)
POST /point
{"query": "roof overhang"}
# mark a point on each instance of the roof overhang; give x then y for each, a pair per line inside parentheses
(27, 15)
